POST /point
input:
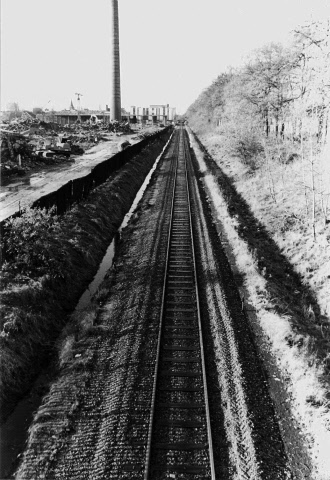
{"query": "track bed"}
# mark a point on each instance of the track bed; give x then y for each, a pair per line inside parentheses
(164, 382)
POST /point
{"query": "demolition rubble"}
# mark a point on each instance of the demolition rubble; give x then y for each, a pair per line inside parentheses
(27, 142)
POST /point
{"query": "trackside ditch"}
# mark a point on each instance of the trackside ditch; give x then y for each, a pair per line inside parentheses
(34, 306)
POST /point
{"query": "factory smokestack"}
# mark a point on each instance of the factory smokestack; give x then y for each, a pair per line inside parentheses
(115, 103)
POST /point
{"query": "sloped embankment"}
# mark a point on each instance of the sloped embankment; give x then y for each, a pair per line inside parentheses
(276, 301)
(83, 429)
(35, 309)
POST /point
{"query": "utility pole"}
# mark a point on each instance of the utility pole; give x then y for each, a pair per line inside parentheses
(115, 103)
(78, 100)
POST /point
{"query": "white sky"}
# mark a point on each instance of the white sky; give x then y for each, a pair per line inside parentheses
(170, 50)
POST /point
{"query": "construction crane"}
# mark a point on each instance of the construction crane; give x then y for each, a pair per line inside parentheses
(78, 100)
(44, 107)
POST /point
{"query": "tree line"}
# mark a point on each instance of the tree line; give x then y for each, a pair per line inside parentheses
(280, 95)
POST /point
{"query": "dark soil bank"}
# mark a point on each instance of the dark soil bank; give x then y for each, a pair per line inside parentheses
(34, 310)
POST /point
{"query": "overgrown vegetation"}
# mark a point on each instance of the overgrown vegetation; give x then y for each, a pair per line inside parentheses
(48, 263)
(268, 126)
(34, 245)
(272, 116)
(276, 109)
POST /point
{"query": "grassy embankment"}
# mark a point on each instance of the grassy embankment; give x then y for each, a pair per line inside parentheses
(52, 261)
(286, 273)
(275, 197)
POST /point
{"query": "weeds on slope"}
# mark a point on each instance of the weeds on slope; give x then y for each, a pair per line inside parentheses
(48, 263)
(295, 268)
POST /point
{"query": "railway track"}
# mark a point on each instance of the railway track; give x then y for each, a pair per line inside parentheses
(144, 412)
(179, 437)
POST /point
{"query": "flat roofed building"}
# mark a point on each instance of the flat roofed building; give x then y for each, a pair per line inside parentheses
(155, 113)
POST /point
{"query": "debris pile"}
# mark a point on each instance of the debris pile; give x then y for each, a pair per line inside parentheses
(14, 150)
(22, 150)
(122, 127)
(26, 141)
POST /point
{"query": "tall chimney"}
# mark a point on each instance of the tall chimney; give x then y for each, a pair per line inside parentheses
(115, 102)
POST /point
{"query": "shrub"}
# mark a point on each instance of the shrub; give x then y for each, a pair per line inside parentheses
(242, 142)
(247, 147)
(32, 243)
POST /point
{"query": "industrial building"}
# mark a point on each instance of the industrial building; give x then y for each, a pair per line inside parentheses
(153, 114)
(67, 117)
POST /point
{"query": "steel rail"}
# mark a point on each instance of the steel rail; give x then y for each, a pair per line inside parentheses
(208, 417)
(154, 388)
(180, 193)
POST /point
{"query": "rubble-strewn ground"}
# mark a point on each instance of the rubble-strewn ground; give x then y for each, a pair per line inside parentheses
(20, 191)
(27, 144)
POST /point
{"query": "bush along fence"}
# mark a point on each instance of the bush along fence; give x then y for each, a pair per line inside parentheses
(78, 189)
